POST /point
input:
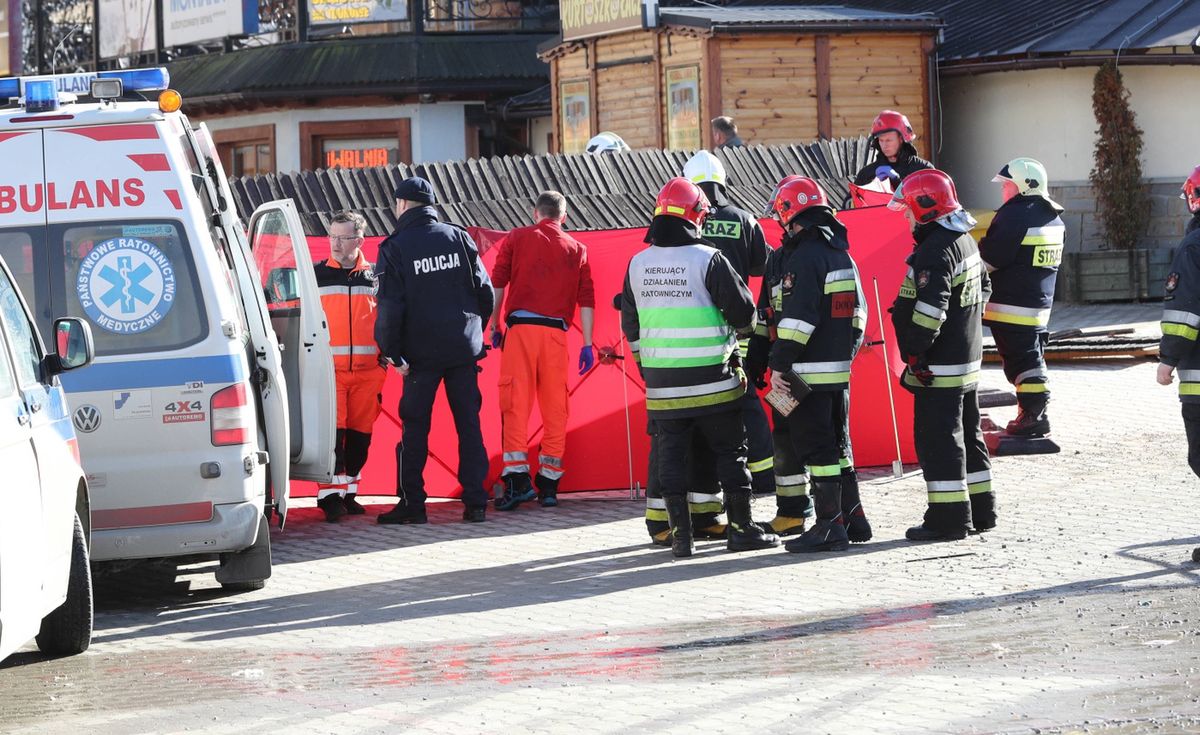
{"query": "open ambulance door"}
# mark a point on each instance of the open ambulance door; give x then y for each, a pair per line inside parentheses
(280, 252)
(269, 384)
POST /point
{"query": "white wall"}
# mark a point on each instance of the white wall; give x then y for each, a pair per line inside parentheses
(438, 130)
(540, 129)
(988, 119)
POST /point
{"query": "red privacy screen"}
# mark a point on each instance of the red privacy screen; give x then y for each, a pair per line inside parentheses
(606, 434)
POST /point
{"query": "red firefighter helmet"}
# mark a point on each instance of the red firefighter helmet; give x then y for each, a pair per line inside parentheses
(794, 195)
(929, 194)
(683, 199)
(769, 208)
(1191, 190)
(890, 120)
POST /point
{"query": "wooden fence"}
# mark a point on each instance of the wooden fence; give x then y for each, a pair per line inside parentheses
(604, 192)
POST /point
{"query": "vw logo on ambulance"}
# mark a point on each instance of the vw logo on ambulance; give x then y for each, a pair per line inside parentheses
(126, 285)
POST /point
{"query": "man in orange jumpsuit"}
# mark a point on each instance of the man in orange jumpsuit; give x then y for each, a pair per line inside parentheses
(546, 274)
(347, 284)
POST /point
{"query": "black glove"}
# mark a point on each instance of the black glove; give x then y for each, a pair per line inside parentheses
(756, 371)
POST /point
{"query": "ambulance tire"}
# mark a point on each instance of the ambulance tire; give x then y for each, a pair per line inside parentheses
(257, 584)
(68, 629)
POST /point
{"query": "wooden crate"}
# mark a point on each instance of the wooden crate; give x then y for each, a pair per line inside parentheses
(1113, 275)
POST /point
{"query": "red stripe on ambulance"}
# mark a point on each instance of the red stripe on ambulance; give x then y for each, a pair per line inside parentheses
(151, 161)
(134, 131)
(173, 195)
(9, 136)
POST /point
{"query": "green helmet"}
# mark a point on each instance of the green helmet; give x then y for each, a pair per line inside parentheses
(1028, 174)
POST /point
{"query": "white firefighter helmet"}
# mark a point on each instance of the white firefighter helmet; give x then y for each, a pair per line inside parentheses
(1027, 174)
(606, 142)
(704, 168)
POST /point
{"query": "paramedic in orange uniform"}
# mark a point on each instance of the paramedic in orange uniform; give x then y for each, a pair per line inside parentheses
(546, 274)
(347, 284)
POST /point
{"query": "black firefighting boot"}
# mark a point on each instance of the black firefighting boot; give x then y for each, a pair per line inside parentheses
(547, 491)
(744, 533)
(943, 522)
(858, 528)
(1031, 417)
(681, 525)
(517, 489)
(828, 533)
(1196, 555)
(983, 511)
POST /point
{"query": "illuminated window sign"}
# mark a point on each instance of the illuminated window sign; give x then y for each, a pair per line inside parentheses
(359, 152)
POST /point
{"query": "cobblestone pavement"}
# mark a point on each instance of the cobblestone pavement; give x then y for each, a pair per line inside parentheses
(1079, 613)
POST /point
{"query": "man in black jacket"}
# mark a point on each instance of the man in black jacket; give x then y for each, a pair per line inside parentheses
(891, 137)
(1181, 326)
(434, 298)
(812, 290)
(938, 321)
(1022, 250)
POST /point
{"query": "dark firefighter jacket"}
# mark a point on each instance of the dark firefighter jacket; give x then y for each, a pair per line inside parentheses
(813, 291)
(1022, 251)
(1181, 314)
(938, 312)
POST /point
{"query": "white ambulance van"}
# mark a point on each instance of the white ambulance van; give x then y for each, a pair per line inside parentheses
(115, 210)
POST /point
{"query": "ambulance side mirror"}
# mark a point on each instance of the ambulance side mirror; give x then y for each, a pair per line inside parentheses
(73, 341)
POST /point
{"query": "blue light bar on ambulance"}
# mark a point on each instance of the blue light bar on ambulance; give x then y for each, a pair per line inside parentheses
(132, 80)
(140, 80)
(41, 96)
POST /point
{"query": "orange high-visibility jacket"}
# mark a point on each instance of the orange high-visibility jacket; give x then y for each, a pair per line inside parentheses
(348, 297)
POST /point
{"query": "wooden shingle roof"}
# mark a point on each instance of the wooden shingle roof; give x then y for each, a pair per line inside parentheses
(605, 192)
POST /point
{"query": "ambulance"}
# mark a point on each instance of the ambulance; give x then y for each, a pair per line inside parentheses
(114, 209)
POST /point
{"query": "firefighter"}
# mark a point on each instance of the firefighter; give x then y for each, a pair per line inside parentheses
(681, 309)
(547, 276)
(739, 237)
(606, 142)
(1022, 250)
(1181, 324)
(434, 298)
(813, 298)
(896, 157)
(347, 284)
(938, 321)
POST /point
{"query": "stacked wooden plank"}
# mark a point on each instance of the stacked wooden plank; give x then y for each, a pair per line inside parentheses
(605, 192)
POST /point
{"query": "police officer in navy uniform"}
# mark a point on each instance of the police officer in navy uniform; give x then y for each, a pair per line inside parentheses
(434, 298)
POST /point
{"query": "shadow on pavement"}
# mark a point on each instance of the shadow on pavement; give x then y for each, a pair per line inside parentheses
(550, 580)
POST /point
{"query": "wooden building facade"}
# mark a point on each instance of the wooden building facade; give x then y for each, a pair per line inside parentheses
(785, 74)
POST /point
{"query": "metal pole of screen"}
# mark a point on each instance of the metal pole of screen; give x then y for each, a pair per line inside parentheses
(898, 463)
(634, 492)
